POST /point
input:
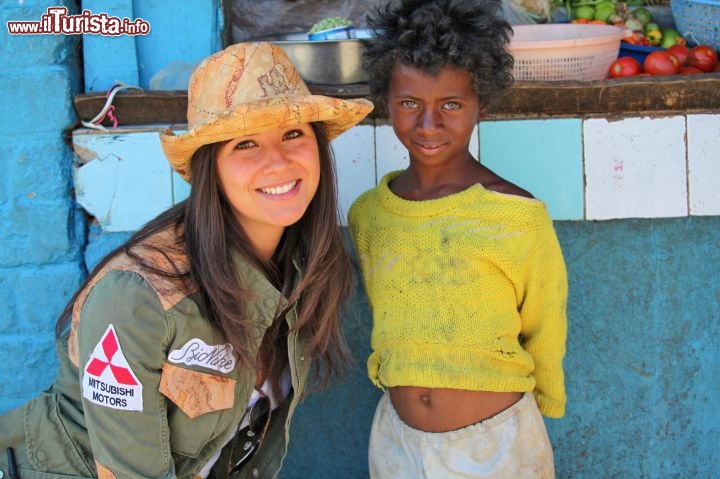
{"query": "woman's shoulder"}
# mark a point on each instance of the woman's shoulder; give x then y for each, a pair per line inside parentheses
(161, 251)
(160, 261)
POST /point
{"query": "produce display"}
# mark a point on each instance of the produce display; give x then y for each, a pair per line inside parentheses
(677, 59)
(647, 48)
(635, 17)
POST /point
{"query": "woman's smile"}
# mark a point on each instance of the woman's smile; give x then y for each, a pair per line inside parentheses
(281, 190)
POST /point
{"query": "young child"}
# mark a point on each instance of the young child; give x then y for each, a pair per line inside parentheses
(187, 350)
(463, 270)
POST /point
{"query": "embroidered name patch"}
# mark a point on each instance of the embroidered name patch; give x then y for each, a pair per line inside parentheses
(108, 380)
(197, 353)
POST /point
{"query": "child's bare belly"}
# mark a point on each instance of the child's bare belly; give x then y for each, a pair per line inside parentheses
(441, 410)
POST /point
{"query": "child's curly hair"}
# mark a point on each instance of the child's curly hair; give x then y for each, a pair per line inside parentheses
(431, 34)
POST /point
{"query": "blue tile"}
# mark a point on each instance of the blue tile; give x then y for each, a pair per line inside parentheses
(180, 188)
(542, 156)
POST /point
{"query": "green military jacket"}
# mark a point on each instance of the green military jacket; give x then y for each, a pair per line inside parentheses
(146, 386)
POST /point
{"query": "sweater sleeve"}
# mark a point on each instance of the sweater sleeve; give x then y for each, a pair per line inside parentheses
(354, 216)
(121, 335)
(544, 321)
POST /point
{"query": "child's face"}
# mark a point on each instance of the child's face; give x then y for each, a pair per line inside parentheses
(433, 116)
(269, 179)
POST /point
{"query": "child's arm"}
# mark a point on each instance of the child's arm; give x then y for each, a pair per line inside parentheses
(544, 321)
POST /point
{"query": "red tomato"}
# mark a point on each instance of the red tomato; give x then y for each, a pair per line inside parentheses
(685, 70)
(681, 52)
(717, 68)
(625, 67)
(660, 62)
(675, 60)
(702, 57)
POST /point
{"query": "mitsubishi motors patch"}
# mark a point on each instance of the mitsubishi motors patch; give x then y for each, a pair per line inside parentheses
(108, 380)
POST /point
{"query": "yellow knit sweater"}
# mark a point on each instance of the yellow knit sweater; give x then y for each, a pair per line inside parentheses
(467, 291)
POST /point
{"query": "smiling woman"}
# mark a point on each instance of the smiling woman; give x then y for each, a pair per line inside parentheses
(214, 308)
(270, 178)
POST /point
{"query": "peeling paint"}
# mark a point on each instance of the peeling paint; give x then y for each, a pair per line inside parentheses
(84, 155)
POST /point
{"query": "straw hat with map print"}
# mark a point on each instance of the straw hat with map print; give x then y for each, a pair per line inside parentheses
(246, 89)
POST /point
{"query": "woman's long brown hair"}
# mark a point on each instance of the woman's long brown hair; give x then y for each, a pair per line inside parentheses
(211, 233)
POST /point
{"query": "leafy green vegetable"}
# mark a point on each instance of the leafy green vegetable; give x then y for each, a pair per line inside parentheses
(330, 22)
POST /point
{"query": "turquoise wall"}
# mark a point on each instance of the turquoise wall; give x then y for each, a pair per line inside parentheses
(644, 306)
(641, 366)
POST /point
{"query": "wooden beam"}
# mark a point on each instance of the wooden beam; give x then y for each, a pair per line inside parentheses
(622, 96)
(658, 95)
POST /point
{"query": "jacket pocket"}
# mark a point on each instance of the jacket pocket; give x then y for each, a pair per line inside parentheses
(52, 452)
(199, 400)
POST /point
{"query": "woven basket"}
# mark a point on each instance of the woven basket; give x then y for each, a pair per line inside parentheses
(553, 51)
(698, 21)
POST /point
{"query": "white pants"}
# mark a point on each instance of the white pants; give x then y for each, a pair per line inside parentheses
(512, 444)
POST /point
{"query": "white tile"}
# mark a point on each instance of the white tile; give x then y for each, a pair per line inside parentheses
(124, 179)
(355, 159)
(635, 168)
(474, 146)
(703, 133)
(390, 154)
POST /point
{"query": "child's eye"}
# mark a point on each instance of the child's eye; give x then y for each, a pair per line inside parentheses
(451, 105)
(409, 104)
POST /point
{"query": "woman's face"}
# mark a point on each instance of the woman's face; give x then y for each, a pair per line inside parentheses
(269, 180)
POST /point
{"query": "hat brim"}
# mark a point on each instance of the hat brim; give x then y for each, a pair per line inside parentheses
(338, 116)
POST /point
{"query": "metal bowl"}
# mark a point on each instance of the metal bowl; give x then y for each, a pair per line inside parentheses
(324, 62)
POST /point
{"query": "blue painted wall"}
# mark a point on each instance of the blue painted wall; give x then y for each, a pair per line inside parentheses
(186, 33)
(641, 366)
(642, 361)
(42, 233)
(644, 307)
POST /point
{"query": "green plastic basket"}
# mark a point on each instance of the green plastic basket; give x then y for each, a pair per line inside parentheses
(698, 21)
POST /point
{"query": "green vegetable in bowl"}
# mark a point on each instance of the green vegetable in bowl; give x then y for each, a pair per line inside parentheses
(331, 22)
